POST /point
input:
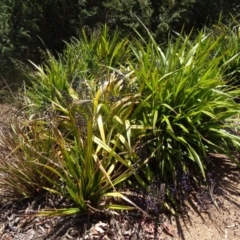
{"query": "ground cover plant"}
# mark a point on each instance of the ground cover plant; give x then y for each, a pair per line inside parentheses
(110, 113)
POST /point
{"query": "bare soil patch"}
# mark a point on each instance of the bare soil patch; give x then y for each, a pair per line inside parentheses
(216, 223)
(6, 113)
(220, 221)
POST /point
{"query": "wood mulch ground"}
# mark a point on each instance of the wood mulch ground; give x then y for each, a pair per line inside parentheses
(17, 219)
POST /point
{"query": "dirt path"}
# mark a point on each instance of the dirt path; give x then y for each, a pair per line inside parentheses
(222, 223)
(216, 224)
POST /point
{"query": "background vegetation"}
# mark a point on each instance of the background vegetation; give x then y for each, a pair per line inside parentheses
(28, 27)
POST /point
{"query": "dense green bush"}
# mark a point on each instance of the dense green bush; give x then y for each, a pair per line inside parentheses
(28, 26)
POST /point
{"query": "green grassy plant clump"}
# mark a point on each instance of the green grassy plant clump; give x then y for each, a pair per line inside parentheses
(230, 48)
(186, 104)
(109, 113)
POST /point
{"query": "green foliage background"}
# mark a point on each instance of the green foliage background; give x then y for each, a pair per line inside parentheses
(26, 27)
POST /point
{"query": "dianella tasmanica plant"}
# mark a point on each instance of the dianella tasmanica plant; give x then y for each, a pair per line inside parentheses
(90, 161)
(109, 113)
(184, 104)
